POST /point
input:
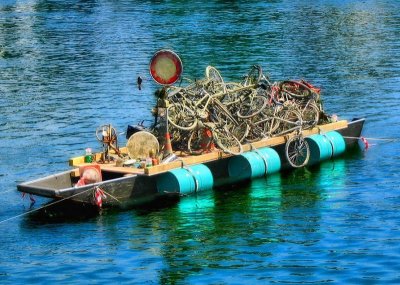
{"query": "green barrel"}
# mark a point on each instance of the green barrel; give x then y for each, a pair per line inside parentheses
(272, 158)
(248, 165)
(337, 142)
(253, 164)
(320, 148)
(177, 180)
(186, 180)
(202, 176)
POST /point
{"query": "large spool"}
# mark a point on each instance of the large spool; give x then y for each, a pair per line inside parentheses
(186, 180)
(253, 164)
(325, 146)
(140, 144)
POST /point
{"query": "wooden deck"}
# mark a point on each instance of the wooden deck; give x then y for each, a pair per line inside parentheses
(185, 160)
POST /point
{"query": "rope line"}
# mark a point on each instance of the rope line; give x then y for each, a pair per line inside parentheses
(115, 198)
(45, 206)
(12, 190)
(373, 139)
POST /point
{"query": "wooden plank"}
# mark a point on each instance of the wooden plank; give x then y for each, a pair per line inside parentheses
(326, 128)
(79, 160)
(282, 139)
(110, 167)
(121, 169)
(214, 155)
(264, 143)
(75, 172)
(186, 160)
(190, 160)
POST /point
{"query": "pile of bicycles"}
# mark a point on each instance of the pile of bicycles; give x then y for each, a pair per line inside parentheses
(211, 112)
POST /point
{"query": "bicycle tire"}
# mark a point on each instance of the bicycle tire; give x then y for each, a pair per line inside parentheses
(254, 76)
(226, 141)
(252, 106)
(310, 115)
(289, 121)
(272, 124)
(182, 117)
(215, 76)
(297, 151)
(255, 133)
(111, 134)
(295, 89)
(265, 123)
(240, 131)
(223, 110)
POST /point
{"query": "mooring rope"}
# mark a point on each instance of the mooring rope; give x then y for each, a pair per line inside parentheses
(373, 139)
(115, 198)
(367, 144)
(45, 206)
(11, 190)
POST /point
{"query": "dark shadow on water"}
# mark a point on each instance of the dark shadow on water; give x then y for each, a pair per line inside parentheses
(156, 205)
(65, 211)
(69, 211)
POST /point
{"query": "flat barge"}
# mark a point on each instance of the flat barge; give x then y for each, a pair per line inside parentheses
(124, 187)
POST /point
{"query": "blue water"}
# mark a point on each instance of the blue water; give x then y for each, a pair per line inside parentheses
(68, 66)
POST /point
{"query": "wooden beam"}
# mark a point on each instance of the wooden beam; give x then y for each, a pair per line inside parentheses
(79, 160)
(185, 160)
(121, 169)
(218, 154)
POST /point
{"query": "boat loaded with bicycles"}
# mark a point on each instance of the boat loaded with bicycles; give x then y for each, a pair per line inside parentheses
(206, 133)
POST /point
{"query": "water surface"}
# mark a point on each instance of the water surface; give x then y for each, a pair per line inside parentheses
(67, 67)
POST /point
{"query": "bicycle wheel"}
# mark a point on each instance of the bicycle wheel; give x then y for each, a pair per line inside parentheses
(295, 89)
(297, 151)
(264, 124)
(251, 106)
(227, 141)
(256, 132)
(223, 117)
(240, 131)
(253, 76)
(310, 115)
(289, 121)
(182, 117)
(215, 76)
(271, 124)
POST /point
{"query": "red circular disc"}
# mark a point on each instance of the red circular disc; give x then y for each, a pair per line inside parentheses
(165, 67)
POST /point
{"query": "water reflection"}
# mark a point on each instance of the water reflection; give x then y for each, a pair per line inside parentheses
(231, 228)
(216, 230)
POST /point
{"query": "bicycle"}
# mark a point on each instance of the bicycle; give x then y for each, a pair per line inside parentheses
(297, 151)
(206, 134)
